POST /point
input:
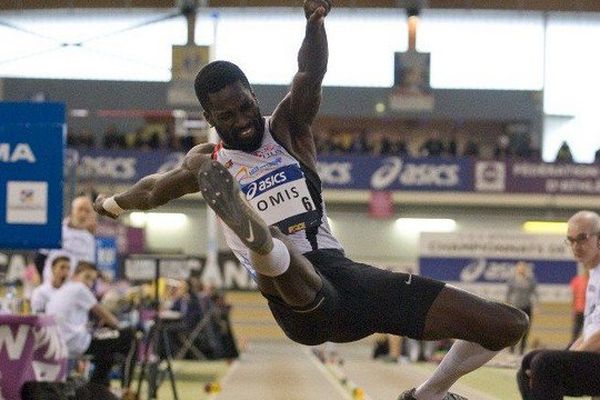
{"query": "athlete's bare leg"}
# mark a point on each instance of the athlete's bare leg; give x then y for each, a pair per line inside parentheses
(299, 285)
(458, 314)
(482, 327)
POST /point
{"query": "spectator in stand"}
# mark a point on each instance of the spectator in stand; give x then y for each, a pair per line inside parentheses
(134, 138)
(392, 144)
(322, 142)
(471, 149)
(433, 147)
(83, 139)
(578, 288)
(564, 153)
(360, 146)
(86, 139)
(524, 149)
(452, 149)
(337, 144)
(113, 139)
(385, 145)
(377, 143)
(503, 149)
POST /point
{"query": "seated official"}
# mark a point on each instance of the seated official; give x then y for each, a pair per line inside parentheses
(61, 267)
(553, 374)
(71, 305)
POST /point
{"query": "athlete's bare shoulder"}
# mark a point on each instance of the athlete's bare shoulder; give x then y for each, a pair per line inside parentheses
(204, 148)
(197, 156)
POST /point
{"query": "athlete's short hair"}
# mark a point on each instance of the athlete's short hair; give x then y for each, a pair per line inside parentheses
(215, 76)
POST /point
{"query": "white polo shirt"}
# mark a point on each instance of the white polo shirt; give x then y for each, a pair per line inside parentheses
(77, 244)
(591, 322)
(70, 306)
(40, 297)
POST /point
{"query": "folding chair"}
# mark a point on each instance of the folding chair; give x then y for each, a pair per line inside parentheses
(187, 342)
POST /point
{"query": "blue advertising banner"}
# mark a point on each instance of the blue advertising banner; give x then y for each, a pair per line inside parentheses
(494, 270)
(106, 255)
(31, 174)
(365, 172)
(396, 173)
(118, 166)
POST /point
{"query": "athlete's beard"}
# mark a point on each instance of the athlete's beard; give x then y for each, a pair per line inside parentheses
(250, 145)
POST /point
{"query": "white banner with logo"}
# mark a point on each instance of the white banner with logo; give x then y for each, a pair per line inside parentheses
(484, 261)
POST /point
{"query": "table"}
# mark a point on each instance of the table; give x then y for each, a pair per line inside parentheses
(31, 349)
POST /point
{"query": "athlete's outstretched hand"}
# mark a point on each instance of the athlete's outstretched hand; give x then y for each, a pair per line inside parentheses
(99, 207)
(315, 9)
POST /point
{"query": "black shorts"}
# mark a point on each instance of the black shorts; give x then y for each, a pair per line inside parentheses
(356, 301)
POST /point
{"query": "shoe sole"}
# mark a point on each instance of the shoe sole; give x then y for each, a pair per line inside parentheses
(222, 193)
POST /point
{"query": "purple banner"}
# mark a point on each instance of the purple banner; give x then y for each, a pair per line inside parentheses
(396, 173)
(526, 177)
(31, 349)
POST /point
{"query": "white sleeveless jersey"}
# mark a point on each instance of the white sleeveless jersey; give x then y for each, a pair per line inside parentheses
(283, 192)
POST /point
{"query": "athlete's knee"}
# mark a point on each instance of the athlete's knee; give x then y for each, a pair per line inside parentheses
(517, 325)
(512, 323)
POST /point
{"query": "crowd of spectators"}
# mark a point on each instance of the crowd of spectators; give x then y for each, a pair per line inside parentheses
(432, 145)
(159, 136)
(155, 136)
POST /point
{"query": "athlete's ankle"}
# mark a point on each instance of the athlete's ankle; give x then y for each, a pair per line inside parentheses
(273, 262)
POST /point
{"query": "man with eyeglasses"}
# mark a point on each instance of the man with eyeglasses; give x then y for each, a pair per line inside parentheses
(553, 374)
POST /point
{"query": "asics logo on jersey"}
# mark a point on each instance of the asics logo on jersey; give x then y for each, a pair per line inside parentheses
(265, 184)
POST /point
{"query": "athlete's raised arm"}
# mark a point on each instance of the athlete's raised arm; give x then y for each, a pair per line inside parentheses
(302, 103)
(157, 189)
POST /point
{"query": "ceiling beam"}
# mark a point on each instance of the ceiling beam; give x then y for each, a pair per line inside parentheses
(536, 5)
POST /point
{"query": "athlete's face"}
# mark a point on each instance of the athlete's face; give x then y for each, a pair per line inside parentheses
(234, 113)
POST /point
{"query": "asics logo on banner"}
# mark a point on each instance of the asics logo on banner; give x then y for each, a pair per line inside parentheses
(488, 271)
(335, 173)
(264, 184)
(20, 152)
(107, 167)
(414, 174)
(387, 173)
